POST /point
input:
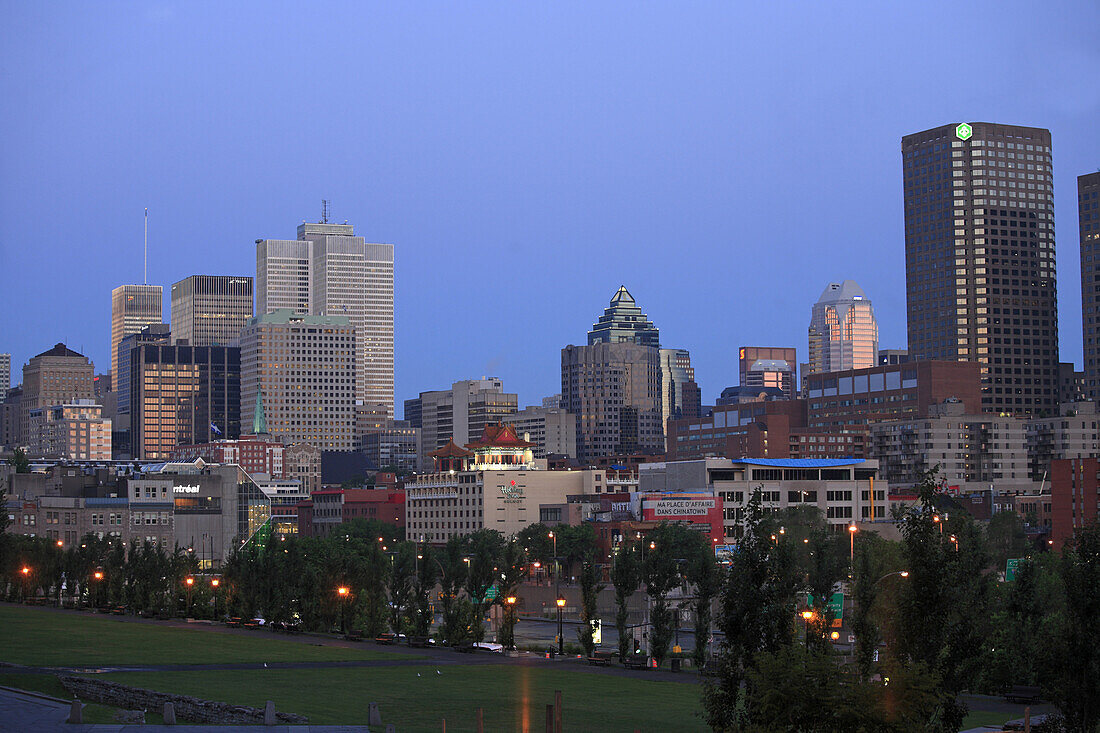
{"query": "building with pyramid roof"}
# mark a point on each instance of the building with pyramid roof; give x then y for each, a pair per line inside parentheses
(623, 322)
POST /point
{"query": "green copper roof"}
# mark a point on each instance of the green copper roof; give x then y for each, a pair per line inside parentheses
(259, 420)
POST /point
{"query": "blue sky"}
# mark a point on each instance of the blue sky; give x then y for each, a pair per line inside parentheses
(723, 160)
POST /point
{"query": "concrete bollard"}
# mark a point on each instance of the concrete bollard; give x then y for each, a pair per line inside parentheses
(374, 717)
(76, 713)
(169, 714)
(269, 713)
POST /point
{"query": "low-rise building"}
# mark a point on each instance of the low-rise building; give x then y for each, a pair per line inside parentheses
(329, 508)
(1072, 433)
(493, 483)
(970, 450)
(256, 454)
(846, 490)
(1074, 496)
(76, 430)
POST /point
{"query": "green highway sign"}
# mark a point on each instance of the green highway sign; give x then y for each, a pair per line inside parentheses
(964, 131)
(1011, 567)
(836, 604)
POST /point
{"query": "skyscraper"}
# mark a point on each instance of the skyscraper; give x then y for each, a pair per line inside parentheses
(300, 370)
(55, 377)
(1088, 219)
(624, 322)
(210, 310)
(180, 395)
(680, 396)
(5, 373)
(614, 390)
(843, 333)
(328, 271)
(133, 307)
(459, 413)
(979, 258)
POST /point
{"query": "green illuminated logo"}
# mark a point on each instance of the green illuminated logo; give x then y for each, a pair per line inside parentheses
(963, 131)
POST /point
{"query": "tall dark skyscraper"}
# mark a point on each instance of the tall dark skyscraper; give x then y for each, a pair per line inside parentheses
(1088, 217)
(979, 258)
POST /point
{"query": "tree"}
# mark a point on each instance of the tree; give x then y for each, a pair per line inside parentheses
(485, 546)
(512, 570)
(453, 576)
(661, 573)
(758, 603)
(1072, 664)
(626, 576)
(826, 567)
(943, 600)
(536, 543)
(427, 575)
(704, 573)
(1006, 537)
(590, 593)
(402, 582)
(20, 461)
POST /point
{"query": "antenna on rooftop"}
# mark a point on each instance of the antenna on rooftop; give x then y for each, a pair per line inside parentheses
(145, 271)
(324, 211)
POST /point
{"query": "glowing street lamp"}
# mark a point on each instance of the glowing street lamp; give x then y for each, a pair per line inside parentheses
(852, 529)
(561, 637)
(342, 591)
(26, 571)
(190, 582)
(60, 543)
(98, 575)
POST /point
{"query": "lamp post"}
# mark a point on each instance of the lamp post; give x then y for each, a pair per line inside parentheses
(557, 570)
(807, 617)
(509, 622)
(190, 583)
(852, 529)
(97, 576)
(26, 571)
(561, 637)
(214, 583)
(343, 592)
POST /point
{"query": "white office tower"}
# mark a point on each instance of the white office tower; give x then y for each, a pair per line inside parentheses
(328, 271)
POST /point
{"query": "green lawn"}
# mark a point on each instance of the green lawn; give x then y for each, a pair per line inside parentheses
(42, 637)
(983, 718)
(513, 697)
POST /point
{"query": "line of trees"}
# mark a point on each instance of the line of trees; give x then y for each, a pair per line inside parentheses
(930, 616)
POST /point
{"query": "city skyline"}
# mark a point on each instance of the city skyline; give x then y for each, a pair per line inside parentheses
(505, 193)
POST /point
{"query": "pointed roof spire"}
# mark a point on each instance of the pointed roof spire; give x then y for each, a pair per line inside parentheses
(622, 296)
(259, 420)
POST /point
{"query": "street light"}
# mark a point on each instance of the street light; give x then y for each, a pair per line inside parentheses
(561, 637)
(557, 570)
(59, 543)
(955, 541)
(214, 583)
(509, 622)
(190, 582)
(852, 529)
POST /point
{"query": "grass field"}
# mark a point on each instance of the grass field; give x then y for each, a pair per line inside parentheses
(513, 697)
(47, 684)
(41, 637)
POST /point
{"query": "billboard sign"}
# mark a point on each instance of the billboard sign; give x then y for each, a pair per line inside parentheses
(682, 507)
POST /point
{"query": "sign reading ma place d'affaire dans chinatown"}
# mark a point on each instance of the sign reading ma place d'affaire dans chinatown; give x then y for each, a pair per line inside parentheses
(682, 507)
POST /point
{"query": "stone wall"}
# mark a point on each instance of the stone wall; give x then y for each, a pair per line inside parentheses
(187, 708)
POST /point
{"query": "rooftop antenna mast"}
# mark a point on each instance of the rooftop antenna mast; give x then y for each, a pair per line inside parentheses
(145, 272)
(324, 211)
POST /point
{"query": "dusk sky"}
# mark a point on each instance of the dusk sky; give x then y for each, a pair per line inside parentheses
(723, 160)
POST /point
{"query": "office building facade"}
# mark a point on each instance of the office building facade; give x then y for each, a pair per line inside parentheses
(768, 367)
(300, 371)
(1088, 222)
(459, 413)
(843, 332)
(551, 429)
(328, 271)
(76, 431)
(979, 258)
(210, 310)
(614, 390)
(133, 307)
(55, 377)
(5, 373)
(181, 395)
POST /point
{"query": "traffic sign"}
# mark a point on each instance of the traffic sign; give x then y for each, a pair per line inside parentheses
(836, 604)
(1011, 566)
